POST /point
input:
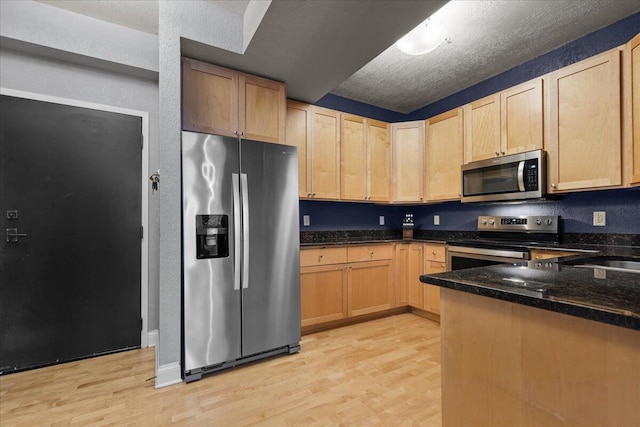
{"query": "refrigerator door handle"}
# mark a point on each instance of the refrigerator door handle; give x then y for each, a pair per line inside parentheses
(236, 231)
(245, 230)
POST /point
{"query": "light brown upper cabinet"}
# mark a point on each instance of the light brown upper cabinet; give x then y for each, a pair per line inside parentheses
(506, 123)
(407, 142)
(445, 140)
(324, 159)
(521, 118)
(378, 161)
(220, 101)
(299, 135)
(631, 118)
(365, 159)
(583, 127)
(316, 133)
(482, 129)
(353, 155)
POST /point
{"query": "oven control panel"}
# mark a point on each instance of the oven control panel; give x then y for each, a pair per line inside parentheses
(520, 223)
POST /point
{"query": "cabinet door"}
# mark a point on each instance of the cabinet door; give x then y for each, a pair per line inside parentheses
(209, 98)
(414, 271)
(401, 267)
(299, 135)
(407, 141)
(353, 154)
(584, 124)
(370, 287)
(378, 161)
(323, 294)
(325, 154)
(482, 128)
(521, 111)
(632, 110)
(445, 139)
(262, 107)
(432, 293)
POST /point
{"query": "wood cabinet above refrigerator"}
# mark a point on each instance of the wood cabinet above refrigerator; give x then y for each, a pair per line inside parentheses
(225, 102)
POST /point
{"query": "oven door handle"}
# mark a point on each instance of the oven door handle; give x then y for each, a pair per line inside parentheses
(521, 176)
(489, 252)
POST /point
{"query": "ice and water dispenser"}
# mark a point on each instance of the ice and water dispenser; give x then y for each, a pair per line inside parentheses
(212, 236)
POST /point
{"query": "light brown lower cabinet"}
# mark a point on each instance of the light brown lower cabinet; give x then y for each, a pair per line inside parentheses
(432, 293)
(434, 262)
(414, 271)
(323, 291)
(341, 282)
(370, 286)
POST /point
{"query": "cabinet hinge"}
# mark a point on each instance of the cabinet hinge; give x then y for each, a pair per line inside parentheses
(141, 323)
(141, 141)
(141, 232)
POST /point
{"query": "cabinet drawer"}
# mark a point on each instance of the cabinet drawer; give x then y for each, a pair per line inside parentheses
(369, 253)
(323, 256)
(434, 252)
(550, 253)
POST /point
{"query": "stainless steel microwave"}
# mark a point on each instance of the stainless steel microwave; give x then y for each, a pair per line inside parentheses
(513, 177)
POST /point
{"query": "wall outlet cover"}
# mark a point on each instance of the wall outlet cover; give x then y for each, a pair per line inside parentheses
(599, 218)
(436, 220)
(306, 220)
(381, 220)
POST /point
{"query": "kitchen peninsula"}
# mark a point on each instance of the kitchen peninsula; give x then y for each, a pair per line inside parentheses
(540, 343)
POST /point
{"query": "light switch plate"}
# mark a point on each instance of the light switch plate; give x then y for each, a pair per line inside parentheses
(306, 220)
(436, 220)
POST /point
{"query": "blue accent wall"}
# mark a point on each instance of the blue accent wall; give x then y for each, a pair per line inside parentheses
(576, 210)
(622, 206)
(347, 105)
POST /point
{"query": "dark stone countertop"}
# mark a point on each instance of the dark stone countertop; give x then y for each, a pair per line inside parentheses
(606, 296)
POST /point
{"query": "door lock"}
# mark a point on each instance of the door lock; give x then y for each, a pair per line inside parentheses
(12, 235)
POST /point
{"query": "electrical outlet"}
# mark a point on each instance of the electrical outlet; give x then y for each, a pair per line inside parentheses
(306, 220)
(436, 220)
(600, 218)
(381, 219)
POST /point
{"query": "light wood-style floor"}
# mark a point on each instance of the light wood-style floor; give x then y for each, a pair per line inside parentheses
(383, 372)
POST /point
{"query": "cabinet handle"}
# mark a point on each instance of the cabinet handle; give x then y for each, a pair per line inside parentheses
(497, 153)
(503, 153)
(371, 253)
(433, 253)
(235, 132)
(313, 194)
(308, 194)
(553, 186)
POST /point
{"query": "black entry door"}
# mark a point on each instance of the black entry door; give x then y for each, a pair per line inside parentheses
(70, 217)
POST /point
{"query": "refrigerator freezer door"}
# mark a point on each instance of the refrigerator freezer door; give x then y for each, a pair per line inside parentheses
(271, 300)
(211, 306)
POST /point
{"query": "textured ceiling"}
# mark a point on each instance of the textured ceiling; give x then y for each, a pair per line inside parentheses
(346, 46)
(487, 38)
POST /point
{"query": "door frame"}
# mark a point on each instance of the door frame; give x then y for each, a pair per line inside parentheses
(144, 182)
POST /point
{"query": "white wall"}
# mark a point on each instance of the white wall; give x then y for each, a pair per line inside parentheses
(205, 23)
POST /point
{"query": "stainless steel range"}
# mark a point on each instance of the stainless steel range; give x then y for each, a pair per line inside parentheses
(503, 239)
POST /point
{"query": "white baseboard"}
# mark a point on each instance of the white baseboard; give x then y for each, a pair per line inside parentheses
(152, 338)
(169, 374)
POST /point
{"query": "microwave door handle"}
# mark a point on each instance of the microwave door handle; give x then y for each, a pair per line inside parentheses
(521, 175)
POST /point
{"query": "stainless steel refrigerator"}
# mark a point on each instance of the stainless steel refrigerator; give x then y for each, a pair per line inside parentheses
(241, 252)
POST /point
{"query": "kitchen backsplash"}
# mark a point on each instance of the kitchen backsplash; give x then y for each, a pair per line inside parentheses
(622, 209)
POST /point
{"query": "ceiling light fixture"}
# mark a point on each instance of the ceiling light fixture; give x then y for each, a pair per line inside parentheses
(423, 39)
